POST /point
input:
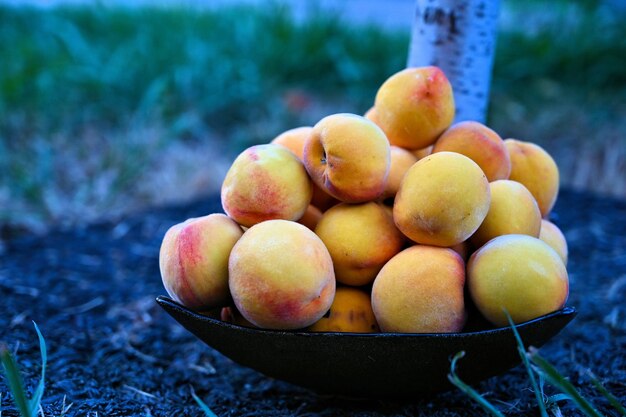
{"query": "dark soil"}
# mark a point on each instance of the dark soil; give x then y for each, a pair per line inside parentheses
(114, 352)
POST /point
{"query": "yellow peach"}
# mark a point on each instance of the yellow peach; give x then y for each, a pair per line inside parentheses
(415, 106)
(193, 260)
(401, 161)
(311, 217)
(442, 200)
(266, 182)
(518, 274)
(351, 311)
(360, 239)
(552, 235)
(293, 139)
(231, 315)
(371, 115)
(462, 249)
(532, 166)
(281, 275)
(348, 156)
(420, 290)
(322, 200)
(513, 210)
(423, 152)
(479, 143)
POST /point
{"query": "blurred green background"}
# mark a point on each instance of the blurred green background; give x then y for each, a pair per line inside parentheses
(105, 110)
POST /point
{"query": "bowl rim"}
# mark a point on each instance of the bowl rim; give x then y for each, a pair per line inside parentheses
(165, 300)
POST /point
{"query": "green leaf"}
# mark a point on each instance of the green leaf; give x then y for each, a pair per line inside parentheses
(36, 400)
(14, 378)
(555, 378)
(610, 397)
(531, 375)
(203, 406)
(469, 391)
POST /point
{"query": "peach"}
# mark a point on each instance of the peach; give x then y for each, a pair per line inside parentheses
(311, 217)
(351, 311)
(322, 200)
(266, 182)
(231, 315)
(552, 235)
(423, 152)
(532, 166)
(281, 275)
(371, 115)
(401, 161)
(479, 143)
(415, 106)
(442, 200)
(360, 239)
(420, 290)
(193, 260)
(348, 156)
(513, 210)
(519, 274)
(462, 249)
(293, 139)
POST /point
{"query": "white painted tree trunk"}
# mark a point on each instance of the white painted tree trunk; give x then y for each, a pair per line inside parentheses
(458, 36)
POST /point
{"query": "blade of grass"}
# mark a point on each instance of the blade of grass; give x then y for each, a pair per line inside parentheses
(555, 378)
(610, 397)
(14, 379)
(469, 391)
(531, 375)
(36, 400)
(203, 406)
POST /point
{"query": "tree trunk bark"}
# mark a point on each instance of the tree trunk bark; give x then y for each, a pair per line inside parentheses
(459, 37)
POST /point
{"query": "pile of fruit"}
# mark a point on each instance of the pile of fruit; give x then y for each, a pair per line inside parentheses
(394, 222)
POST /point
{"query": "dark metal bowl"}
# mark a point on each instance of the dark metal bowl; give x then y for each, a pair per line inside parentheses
(369, 365)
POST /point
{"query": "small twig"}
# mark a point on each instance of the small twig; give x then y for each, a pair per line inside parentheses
(17, 320)
(64, 409)
(140, 392)
(83, 308)
(140, 355)
(208, 369)
(23, 290)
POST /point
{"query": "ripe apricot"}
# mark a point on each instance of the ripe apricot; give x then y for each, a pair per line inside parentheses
(518, 274)
(420, 290)
(442, 200)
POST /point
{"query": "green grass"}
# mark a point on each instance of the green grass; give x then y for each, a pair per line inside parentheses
(28, 407)
(534, 363)
(95, 99)
(106, 110)
(205, 408)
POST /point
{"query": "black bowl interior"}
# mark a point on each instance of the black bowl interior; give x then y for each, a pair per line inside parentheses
(369, 365)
